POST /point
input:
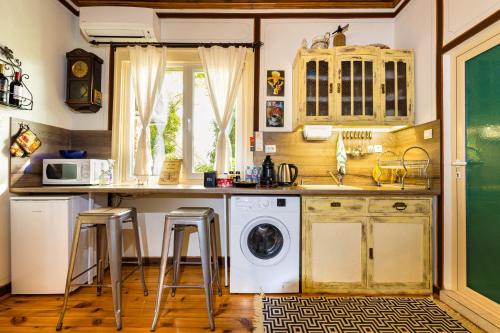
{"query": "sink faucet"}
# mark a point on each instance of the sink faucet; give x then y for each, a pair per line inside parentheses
(339, 178)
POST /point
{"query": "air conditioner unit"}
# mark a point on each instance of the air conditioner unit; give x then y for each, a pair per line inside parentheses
(119, 24)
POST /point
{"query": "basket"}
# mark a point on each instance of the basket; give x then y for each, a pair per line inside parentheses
(170, 172)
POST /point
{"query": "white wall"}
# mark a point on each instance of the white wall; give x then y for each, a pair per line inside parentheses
(40, 33)
(461, 15)
(282, 38)
(415, 28)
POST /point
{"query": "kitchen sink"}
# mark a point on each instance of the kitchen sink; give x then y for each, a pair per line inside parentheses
(329, 187)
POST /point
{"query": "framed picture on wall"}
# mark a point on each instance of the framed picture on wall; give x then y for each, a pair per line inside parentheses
(275, 114)
(275, 83)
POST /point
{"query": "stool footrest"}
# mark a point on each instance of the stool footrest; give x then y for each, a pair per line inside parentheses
(197, 286)
(85, 271)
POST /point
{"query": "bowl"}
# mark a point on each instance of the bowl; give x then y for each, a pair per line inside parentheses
(68, 153)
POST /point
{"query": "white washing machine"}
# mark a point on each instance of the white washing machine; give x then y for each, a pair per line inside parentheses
(265, 244)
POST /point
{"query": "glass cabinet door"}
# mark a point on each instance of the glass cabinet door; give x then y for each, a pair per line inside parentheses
(355, 88)
(317, 88)
(397, 88)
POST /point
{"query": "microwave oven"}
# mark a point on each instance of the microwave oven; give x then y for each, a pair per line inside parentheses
(73, 171)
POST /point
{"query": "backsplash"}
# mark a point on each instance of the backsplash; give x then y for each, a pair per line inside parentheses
(27, 171)
(315, 159)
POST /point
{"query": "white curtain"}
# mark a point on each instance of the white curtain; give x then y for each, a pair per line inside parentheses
(147, 65)
(223, 70)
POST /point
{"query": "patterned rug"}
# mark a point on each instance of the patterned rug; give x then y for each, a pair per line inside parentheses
(353, 314)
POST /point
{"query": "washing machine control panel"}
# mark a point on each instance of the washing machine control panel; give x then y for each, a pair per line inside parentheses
(260, 203)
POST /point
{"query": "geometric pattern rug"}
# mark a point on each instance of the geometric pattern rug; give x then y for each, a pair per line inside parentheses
(354, 314)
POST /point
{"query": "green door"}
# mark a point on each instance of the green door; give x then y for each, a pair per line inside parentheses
(482, 109)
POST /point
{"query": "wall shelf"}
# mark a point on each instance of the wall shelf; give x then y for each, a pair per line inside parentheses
(12, 65)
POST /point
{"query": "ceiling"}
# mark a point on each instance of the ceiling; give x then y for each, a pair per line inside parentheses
(245, 4)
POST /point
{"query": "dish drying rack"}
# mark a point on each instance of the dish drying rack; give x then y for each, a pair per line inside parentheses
(406, 166)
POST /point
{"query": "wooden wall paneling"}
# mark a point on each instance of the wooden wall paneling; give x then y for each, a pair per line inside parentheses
(414, 136)
(96, 143)
(27, 171)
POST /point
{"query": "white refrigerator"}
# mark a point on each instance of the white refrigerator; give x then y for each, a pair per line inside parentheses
(41, 236)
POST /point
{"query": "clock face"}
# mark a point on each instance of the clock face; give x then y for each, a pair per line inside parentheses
(80, 69)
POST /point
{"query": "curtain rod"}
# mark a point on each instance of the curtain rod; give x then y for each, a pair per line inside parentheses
(179, 45)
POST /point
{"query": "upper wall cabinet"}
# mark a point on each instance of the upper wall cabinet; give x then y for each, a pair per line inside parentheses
(315, 104)
(353, 85)
(356, 82)
(397, 85)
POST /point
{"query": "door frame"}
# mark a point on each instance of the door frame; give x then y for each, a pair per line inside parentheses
(470, 301)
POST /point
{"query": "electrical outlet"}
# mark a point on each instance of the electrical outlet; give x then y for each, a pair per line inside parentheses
(377, 148)
(428, 134)
(370, 149)
(270, 149)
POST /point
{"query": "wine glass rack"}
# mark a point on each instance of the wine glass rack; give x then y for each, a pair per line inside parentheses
(12, 65)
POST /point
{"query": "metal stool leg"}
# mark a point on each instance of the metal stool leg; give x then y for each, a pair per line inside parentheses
(178, 240)
(204, 239)
(139, 251)
(163, 267)
(101, 255)
(215, 254)
(114, 236)
(72, 260)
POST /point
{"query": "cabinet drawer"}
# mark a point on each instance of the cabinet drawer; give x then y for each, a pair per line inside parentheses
(399, 206)
(335, 205)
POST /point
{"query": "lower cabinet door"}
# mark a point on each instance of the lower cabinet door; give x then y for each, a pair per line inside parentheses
(334, 254)
(399, 254)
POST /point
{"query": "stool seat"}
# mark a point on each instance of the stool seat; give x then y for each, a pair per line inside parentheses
(107, 211)
(191, 212)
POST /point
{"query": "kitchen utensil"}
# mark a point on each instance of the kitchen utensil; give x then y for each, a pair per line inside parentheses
(285, 176)
(68, 153)
(268, 174)
(321, 42)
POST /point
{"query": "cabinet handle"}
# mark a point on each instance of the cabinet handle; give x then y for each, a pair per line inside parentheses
(383, 88)
(370, 253)
(399, 206)
(338, 88)
(335, 204)
(331, 88)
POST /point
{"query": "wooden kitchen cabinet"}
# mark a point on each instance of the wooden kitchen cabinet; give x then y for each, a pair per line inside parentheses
(353, 85)
(356, 98)
(371, 245)
(397, 86)
(315, 70)
(335, 248)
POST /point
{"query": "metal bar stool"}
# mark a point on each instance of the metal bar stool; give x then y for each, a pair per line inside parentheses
(204, 220)
(108, 223)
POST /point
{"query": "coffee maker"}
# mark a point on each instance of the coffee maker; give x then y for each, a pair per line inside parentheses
(268, 174)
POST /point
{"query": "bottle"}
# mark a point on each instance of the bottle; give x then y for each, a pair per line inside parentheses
(16, 90)
(4, 86)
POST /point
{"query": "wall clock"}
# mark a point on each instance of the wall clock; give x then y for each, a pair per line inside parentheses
(83, 92)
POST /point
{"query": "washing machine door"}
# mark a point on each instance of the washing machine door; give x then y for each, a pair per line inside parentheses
(265, 241)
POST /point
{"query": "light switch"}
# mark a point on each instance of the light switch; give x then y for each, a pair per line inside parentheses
(259, 141)
(428, 134)
(270, 149)
(377, 149)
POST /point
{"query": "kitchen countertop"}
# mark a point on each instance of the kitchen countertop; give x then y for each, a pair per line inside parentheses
(200, 189)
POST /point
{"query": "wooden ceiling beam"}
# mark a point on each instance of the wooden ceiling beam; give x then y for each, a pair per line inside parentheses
(244, 4)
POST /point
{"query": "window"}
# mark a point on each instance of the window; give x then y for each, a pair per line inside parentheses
(183, 124)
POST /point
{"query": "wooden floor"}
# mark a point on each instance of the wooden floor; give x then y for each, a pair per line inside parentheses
(186, 312)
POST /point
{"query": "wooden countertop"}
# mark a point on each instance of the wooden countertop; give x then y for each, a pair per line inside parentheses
(200, 190)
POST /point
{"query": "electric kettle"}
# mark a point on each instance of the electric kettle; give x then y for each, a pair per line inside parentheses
(285, 175)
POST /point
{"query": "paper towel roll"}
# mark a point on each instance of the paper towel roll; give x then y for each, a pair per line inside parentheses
(317, 132)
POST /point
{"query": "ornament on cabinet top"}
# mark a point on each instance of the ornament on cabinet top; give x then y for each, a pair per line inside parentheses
(83, 91)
